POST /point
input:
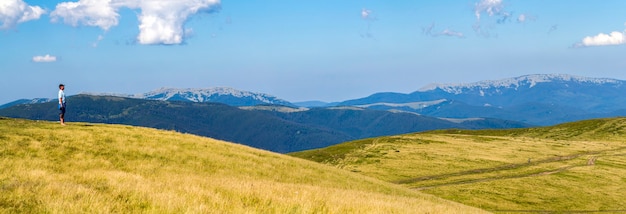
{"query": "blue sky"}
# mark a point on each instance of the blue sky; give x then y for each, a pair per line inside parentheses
(300, 50)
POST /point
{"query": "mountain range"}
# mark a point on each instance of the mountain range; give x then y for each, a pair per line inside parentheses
(590, 94)
(226, 95)
(539, 99)
(275, 128)
(542, 99)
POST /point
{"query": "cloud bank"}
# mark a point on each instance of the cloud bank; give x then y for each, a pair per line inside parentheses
(614, 38)
(46, 58)
(160, 21)
(13, 12)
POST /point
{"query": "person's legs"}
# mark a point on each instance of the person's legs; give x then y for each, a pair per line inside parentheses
(62, 115)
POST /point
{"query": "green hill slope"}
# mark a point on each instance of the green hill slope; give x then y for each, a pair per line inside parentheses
(92, 168)
(578, 166)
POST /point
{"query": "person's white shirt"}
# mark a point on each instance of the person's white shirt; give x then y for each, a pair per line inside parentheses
(61, 96)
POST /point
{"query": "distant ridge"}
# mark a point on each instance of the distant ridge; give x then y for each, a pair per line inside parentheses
(539, 99)
(226, 95)
(517, 82)
(26, 101)
(315, 103)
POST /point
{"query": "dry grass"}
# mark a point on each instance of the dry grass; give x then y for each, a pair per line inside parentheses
(91, 168)
(577, 167)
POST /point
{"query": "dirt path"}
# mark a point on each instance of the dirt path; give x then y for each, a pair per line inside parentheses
(487, 170)
(590, 162)
(470, 181)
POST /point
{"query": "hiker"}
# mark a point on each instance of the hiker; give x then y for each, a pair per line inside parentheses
(62, 103)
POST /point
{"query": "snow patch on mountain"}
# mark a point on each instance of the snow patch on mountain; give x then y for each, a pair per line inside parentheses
(39, 100)
(515, 83)
(202, 94)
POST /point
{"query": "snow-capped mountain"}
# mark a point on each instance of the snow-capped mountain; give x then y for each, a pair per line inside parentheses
(516, 83)
(541, 99)
(590, 94)
(229, 96)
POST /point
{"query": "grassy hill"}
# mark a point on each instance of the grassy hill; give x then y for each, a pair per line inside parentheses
(578, 167)
(93, 168)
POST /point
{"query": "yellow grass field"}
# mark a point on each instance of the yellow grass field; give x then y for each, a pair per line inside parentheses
(574, 167)
(94, 168)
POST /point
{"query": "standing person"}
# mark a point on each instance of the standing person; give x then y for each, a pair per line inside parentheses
(62, 103)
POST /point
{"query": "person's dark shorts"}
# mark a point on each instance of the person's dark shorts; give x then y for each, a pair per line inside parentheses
(62, 110)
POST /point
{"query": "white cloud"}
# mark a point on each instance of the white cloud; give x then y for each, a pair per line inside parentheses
(46, 58)
(490, 7)
(452, 33)
(95, 13)
(13, 12)
(95, 44)
(370, 18)
(614, 38)
(160, 21)
(523, 18)
(365, 13)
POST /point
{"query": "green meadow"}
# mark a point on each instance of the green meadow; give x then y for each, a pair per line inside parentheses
(573, 167)
(95, 168)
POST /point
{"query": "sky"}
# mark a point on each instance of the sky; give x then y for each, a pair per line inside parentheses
(302, 50)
